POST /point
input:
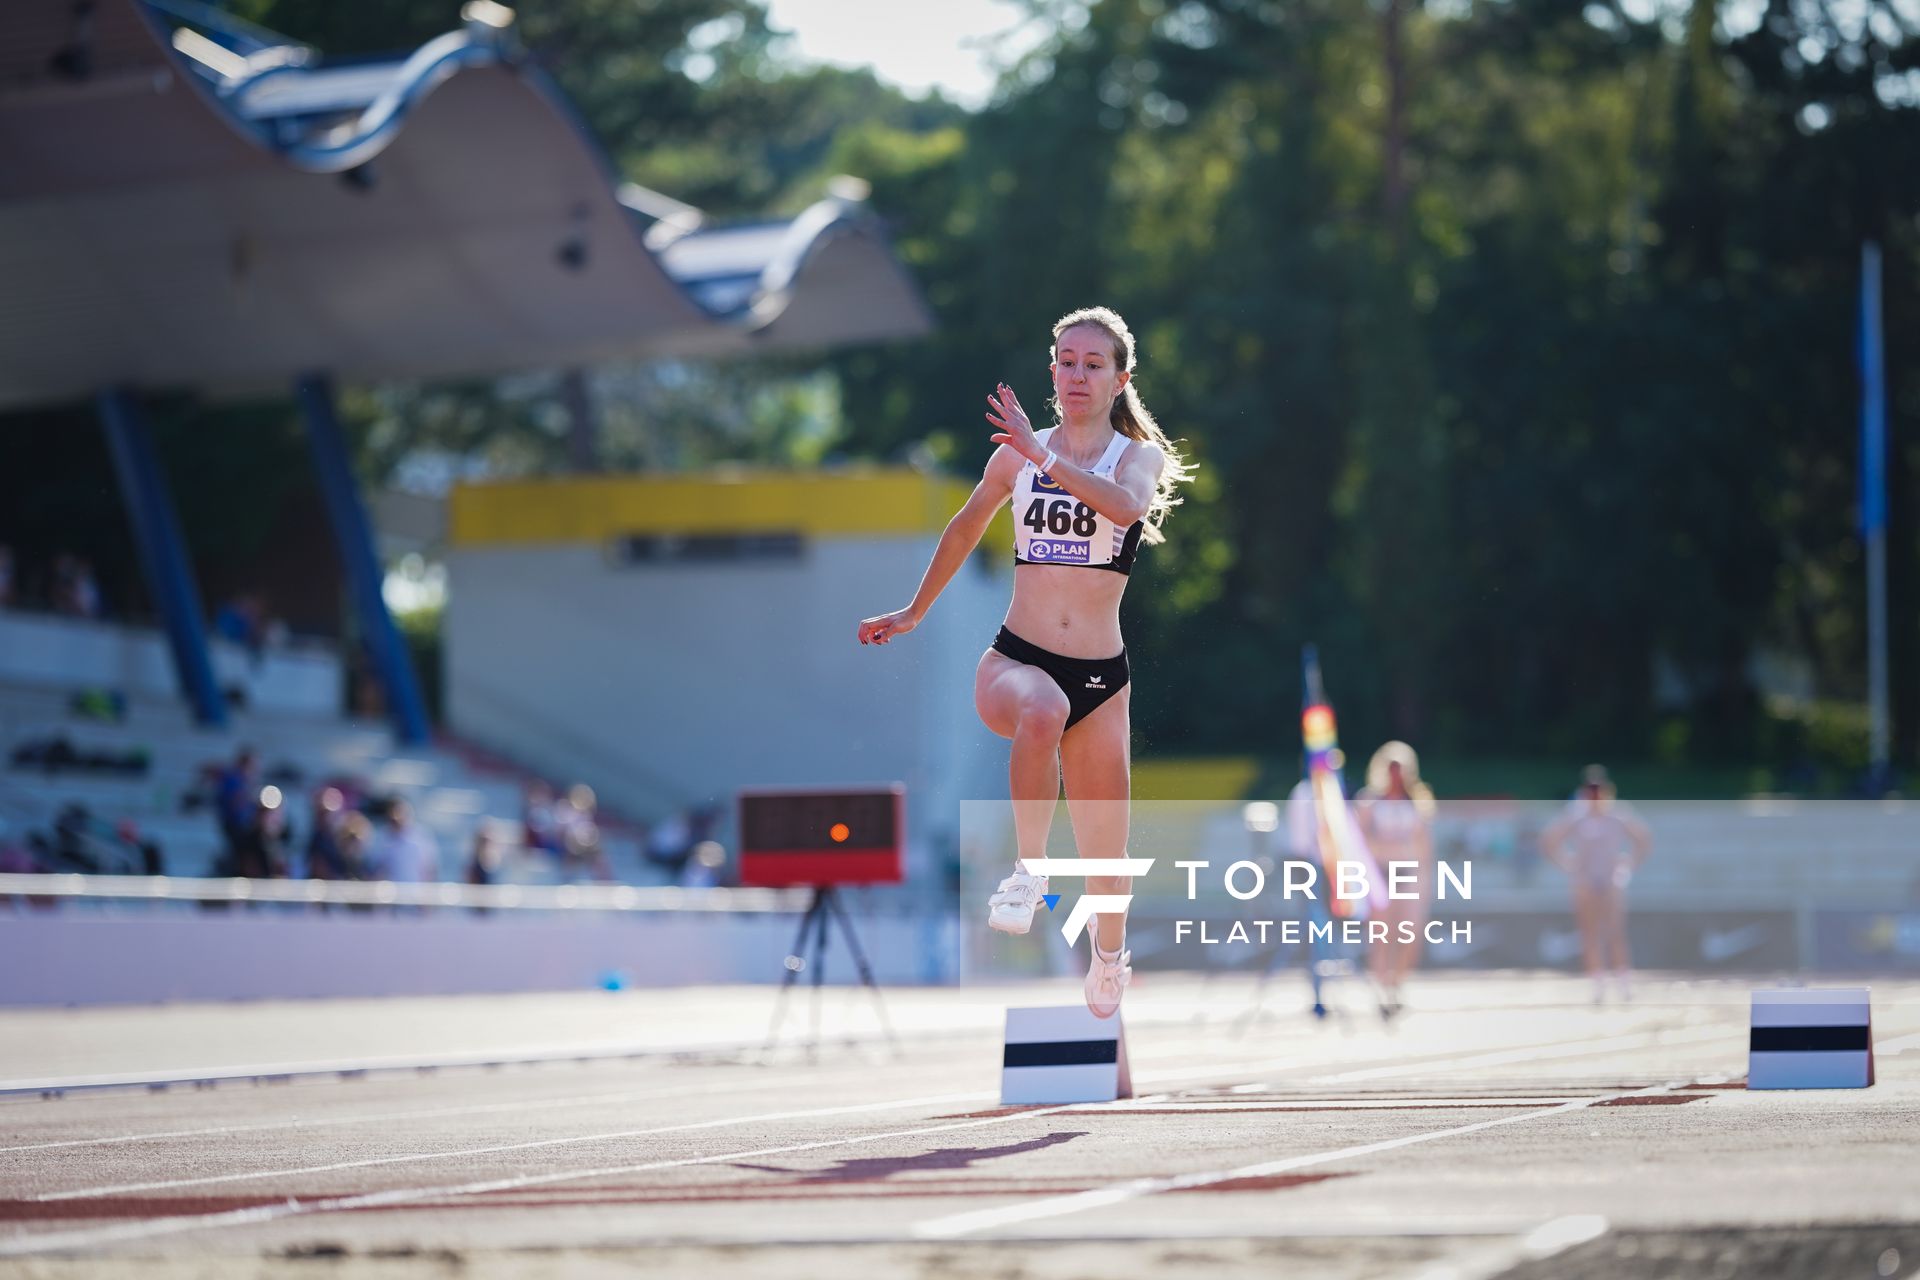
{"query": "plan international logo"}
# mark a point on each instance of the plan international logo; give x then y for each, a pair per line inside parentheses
(1056, 551)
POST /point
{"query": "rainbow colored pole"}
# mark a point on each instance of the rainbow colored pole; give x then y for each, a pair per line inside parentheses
(1338, 834)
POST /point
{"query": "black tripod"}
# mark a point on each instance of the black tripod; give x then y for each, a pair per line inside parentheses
(814, 954)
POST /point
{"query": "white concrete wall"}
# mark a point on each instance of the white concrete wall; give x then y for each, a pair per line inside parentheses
(664, 684)
(71, 958)
(68, 653)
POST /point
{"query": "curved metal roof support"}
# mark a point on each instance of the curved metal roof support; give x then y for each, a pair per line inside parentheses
(429, 66)
(805, 237)
(179, 231)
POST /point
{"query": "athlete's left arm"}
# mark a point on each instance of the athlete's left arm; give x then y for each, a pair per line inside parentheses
(1641, 837)
(1125, 498)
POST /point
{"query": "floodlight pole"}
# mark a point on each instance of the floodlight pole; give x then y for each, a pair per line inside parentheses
(1873, 507)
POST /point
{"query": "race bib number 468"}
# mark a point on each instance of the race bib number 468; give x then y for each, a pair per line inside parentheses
(1060, 516)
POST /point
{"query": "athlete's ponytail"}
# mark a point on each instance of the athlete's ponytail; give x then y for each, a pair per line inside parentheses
(1130, 417)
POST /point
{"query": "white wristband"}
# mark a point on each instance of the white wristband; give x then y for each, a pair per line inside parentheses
(1046, 468)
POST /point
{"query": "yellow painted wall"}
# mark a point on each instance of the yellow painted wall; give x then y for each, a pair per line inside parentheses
(1207, 778)
(843, 504)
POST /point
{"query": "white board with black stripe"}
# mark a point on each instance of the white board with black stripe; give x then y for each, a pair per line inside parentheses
(1062, 1053)
(1810, 1038)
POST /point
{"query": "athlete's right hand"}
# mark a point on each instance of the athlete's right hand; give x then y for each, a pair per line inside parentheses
(888, 625)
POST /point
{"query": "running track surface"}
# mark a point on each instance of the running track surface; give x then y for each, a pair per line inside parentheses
(1504, 1126)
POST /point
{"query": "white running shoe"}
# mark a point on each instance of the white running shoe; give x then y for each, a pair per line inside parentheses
(1011, 908)
(1107, 981)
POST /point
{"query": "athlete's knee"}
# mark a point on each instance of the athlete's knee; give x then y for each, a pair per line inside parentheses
(1043, 708)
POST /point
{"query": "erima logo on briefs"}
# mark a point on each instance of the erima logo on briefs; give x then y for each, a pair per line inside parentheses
(1047, 549)
(1093, 682)
(1046, 483)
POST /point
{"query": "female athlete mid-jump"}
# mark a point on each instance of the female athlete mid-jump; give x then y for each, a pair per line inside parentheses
(1086, 493)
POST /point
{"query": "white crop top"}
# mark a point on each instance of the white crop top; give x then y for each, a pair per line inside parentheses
(1051, 526)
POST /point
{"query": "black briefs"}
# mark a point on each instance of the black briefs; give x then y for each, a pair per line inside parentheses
(1087, 682)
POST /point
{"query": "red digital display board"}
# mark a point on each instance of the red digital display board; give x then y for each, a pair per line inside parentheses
(841, 836)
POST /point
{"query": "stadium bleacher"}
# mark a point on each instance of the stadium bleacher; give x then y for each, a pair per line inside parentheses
(298, 752)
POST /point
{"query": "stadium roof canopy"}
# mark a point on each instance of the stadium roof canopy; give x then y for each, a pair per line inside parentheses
(186, 201)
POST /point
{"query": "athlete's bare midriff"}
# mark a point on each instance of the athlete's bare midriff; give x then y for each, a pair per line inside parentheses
(1073, 612)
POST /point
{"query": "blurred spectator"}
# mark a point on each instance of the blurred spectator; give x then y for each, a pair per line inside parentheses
(543, 833)
(58, 754)
(243, 620)
(71, 850)
(60, 590)
(324, 861)
(75, 592)
(86, 592)
(1599, 843)
(15, 859)
(703, 865)
(483, 865)
(408, 854)
(236, 795)
(152, 863)
(576, 820)
(670, 843)
(355, 842)
(18, 859)
(702, 822)
(6, 577)
(260, 852)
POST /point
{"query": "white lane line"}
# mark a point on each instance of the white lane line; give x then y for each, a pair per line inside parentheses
(1570, 1048)
(1542, 1242)
(591, 1099)
(935, 1100)
(949, 1099)
(1164, 1075)
(1541, 1053)
(584, 1051)
(531, 1055)
(59, 1240)
(960, 1224)
(1163, 1103)
(382, 1117)
(1899, 1046)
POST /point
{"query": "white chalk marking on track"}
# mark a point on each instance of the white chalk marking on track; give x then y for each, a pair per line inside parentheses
(357, 1066)
(160, 1226)
(1553, 1237)
(62, 1240)
(598, 1052)
(1899, 1046)
(960, 1224)
(380, 1117)
(935, 1100)
(571, 1100)
(1552, 1048)
(1161, 1102)
(1539, 1053)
